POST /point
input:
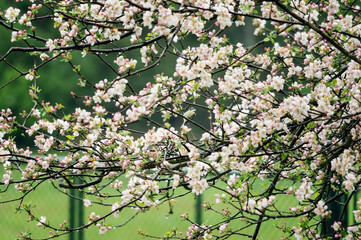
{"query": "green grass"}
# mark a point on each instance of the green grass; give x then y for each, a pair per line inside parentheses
(48, 202)
(157, 221)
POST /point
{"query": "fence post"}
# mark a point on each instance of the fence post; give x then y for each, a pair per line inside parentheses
(199, 210)
(76, 214)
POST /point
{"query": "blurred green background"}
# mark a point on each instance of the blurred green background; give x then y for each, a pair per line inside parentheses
(157, 221)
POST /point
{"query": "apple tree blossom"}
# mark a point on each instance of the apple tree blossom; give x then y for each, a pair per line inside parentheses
(276, 133)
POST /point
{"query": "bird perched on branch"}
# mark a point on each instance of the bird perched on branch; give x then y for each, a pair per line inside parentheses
(189, 115)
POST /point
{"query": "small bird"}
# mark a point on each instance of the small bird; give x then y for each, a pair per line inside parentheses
(189, 115)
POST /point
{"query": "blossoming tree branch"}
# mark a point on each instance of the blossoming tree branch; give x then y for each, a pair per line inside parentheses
(280, 118)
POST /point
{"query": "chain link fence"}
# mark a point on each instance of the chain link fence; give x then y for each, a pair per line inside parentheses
(56, 207)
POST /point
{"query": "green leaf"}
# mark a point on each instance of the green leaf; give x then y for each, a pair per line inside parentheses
(316, 194)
